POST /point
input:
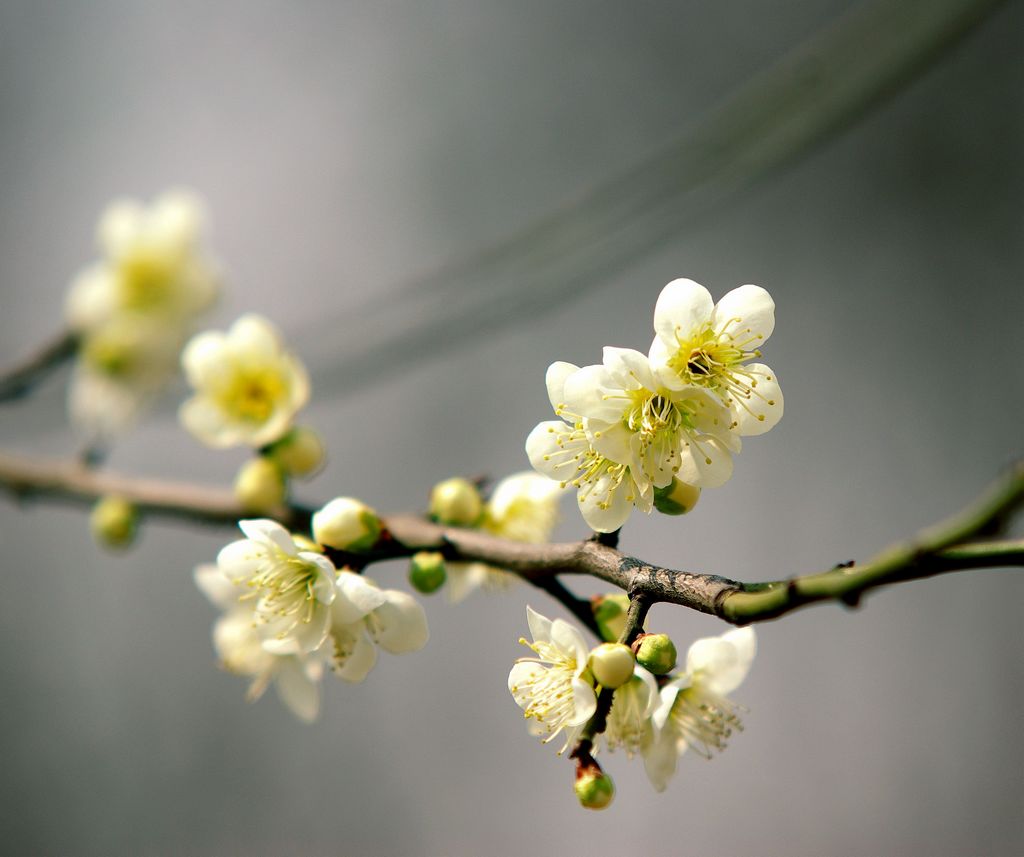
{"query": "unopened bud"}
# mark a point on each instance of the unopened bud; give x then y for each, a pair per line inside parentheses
(260, 485)
(612, 664)
(426, 572)
(656, 653)
(346, 524)
(610, 615)
(594, 787)
(676, 498)
(300, 452)
(456, 502)
(114, 522)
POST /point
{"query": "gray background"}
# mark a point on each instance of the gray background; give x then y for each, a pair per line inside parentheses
(345, 149)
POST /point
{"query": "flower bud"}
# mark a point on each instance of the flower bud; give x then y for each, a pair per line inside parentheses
(610, 615)
(260, 485)
(676, 498)
(456, 502)
(656, 653)
(612, 664)
(594, 788)
(114, 522)
(426, 572)
(346, 524)
(300, 452)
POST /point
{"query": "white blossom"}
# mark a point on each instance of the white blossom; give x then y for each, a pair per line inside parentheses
(710, 346)
(550, 688)
(363, 617)
(523, 508)
(693, 710)
(293, 589)
(239, 646)
(629, 719)
(248, 386)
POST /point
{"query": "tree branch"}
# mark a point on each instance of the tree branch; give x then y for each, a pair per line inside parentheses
(18, 379)
(945, 547)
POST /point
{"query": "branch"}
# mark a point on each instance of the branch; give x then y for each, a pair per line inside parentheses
(946, 547)
(18, 379)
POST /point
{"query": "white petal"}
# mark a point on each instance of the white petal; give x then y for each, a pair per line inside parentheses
(658, 356)
(400, 624)
(682, 308)
(297, 692)
(584, 702)
(357, 597)
(545, 454)
(728, 678)
(361, 658)
(629, 369)
(555, 380)
(520, 681)
(519, 486)
(204, 359)
(540, 626)
(240, 560)
(664, 705)
(205, 421)
(609, 519)
(614, 441)
(270, 533)
(214, 584)
(762, 409)
(746, 313)
(119, 226)
(653, 697)
(660, 758)
(569, 640)
(464, 578)
(706, 462)
(588, 392)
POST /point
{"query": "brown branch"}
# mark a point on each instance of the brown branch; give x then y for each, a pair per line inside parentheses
(947, 547)
(18, 379)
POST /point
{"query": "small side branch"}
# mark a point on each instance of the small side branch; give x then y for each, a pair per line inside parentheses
(19, 379)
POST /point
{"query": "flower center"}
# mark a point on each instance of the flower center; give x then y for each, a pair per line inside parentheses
(252, 396)
(706, 358)
(551, 699)
(147, 280)
(704, 719)
(285, 587)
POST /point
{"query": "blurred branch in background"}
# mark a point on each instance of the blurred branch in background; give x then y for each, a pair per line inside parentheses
(18, 379)
(945, 547)
(821, 87)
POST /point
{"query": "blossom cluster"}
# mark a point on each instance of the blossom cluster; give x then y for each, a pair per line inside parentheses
(524, 508)
(133, 309)
(637, 428)
(289, 613)
(248, 387)
(656, 716)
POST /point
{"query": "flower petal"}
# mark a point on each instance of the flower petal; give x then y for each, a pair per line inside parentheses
(354, 654)
(590, 392)
(357, 597)
(270, 533)
(214, 584)
(762, 407)
(400, 624)
(555, 380)
(297, 692)
(747, 314)
(682, 308)
(540, 625)
(629, 369)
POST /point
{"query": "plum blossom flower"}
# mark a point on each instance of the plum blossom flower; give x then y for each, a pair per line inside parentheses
(293, 589)
(607, 490)
(363, 617)
(248, 386)
(693, 710)
(550, 688)
(660, 433)
(239, 646)
(523, 508)
(629, 720)
(699, 343)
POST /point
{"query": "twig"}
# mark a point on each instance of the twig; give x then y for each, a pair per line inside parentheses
(938, 550)
(18, 379)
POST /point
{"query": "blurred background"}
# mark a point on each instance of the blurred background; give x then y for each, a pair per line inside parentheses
(347, 153)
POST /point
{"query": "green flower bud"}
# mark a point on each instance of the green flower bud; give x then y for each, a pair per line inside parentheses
(610, 614)
(260, 485)
(594, 788)
(612, 664)
(346, 524)
(656, 653)
(426, 572)
(676, 498)
(300, 452)
(456, 502)
(114, 522)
